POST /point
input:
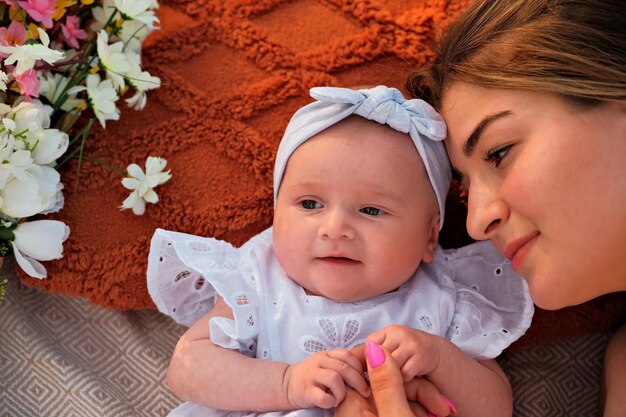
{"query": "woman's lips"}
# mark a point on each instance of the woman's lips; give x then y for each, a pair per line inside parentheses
(517, 250)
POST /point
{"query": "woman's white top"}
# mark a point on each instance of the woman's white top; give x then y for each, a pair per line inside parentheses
(470, 296)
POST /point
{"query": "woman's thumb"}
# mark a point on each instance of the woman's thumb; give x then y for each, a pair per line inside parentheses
(386, 381)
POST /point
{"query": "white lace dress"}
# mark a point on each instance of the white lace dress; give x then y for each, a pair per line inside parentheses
(470, 296)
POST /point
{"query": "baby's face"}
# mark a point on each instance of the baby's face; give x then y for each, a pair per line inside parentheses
(355, 213)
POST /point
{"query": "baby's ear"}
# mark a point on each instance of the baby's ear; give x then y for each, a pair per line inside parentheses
(433, 240)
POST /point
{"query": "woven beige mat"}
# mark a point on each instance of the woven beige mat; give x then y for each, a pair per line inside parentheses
(61, 356)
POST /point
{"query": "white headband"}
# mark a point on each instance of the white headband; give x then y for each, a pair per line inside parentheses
(384, 105)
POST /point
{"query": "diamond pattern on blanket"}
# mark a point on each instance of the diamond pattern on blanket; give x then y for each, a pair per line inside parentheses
(62, 356)
(557, 379)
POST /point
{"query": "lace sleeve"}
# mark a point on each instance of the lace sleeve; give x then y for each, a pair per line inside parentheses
(186, 272)
(493, 307)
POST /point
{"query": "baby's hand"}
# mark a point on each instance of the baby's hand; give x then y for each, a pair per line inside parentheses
(320, 380)
(415, 352)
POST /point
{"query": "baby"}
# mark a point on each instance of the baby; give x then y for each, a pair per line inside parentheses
(360, 183)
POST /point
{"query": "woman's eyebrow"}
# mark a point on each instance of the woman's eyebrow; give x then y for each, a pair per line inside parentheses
(474, 137)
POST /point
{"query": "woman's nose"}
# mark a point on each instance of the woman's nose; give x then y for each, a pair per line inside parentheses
(336, 225)
(486, 212)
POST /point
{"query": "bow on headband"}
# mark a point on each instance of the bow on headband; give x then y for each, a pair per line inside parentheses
(381, 104)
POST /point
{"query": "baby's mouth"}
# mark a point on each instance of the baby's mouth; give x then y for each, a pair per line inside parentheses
(338, 260)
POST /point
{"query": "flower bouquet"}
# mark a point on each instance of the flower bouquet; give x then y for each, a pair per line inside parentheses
(65, 64)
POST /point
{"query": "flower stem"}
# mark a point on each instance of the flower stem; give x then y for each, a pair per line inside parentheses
(104, 164)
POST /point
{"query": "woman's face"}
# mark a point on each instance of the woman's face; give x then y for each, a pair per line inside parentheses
(547, 184)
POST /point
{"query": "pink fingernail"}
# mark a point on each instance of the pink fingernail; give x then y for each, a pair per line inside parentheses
(452, 407)
(374, 354)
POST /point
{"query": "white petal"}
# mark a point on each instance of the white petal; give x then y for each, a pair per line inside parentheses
(9, 124)
(22, 198)
(135, 171)
(130, 183)
(130, 201)
(155, 165)
(139, 208)
(164, 177)
(41, 239)
(51, 146)
(151, 197)
(29, 265)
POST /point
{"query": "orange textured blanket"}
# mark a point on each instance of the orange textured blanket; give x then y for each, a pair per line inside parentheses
(233, 72)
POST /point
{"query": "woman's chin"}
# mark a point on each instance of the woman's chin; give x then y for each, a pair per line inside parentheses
(550, 295)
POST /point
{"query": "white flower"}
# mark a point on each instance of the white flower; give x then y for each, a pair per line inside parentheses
(138, 10)
(50, 145)
(9, 124)
(102, 98)
(143, 184)
(101, 15)
(112, 59)
(141, 81)
(53, 85)
(28, 54)
(33, 190)
(40, 240)
(33, 116)
(3, 81)
(133, 33)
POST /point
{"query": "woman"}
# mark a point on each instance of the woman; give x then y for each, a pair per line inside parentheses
(534, 96)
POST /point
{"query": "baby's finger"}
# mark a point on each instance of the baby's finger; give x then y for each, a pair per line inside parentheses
(320, 397)
(412, 366)
(347, 357)
(333, 383)
(351, 376)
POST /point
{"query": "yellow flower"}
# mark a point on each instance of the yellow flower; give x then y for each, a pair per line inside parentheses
(16, 14)
(33, 33)
(61, 7)
(87, 2)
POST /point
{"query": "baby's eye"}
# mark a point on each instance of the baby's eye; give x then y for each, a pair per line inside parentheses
(311, 204)
(372, 211)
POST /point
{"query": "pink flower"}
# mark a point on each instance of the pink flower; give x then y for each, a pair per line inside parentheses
(14, 35)
(72, 31)
(28, 83)
(40, 10)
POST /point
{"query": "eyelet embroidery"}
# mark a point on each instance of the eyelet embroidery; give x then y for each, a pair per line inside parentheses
(333, 338)
(199, 283)
(425, 323)
(499, 270)
(242, 300)
(198, 246)
(182, 275)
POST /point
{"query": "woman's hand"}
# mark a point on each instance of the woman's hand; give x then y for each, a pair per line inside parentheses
(391, 397)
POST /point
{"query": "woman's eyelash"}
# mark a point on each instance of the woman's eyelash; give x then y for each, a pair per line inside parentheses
(496, 155)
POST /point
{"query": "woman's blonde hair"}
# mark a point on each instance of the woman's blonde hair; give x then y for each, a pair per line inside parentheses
(574, 48)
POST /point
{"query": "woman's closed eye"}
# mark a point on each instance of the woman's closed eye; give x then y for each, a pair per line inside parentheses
(372, 211)
(496, 155)
(311, 204)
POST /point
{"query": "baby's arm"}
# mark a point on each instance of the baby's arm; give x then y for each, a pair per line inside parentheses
(206, 374)
(474, 387)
